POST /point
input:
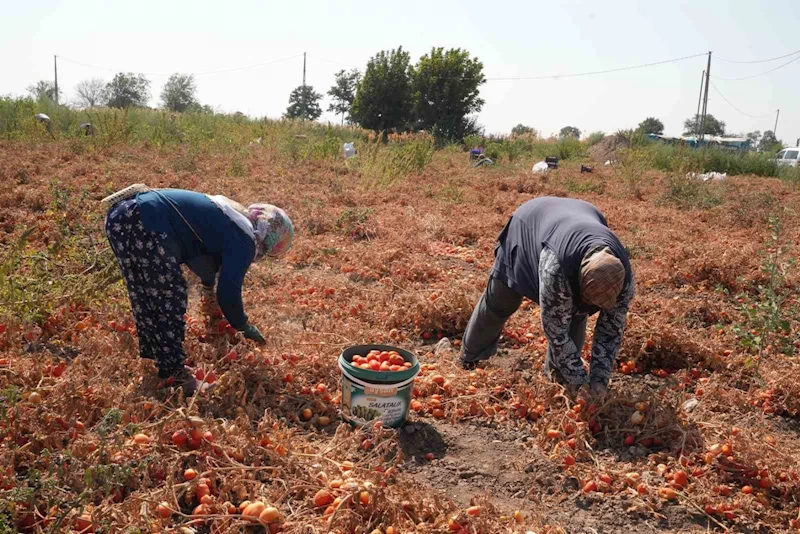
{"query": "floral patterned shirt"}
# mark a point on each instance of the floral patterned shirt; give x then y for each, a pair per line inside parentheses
(558, 308)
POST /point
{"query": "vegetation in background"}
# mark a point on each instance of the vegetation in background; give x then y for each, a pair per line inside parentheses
(769, 143)
(595, 137)
(179, 93)
(343, 93)
(711, 126)
(521, 129)
(90, 93)
(445, 87)
(304, 104)
(44, 89)
(383, 102)
(569, 131)
(651, 125)
(128, 91)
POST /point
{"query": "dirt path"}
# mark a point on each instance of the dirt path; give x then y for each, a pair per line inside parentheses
(482, 461)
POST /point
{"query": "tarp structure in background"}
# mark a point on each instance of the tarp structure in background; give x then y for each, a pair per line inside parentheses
(725, 143)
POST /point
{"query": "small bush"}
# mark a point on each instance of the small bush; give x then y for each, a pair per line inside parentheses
(594, 138)
(688, 192)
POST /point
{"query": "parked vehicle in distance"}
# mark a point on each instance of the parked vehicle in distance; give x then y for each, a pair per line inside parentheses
(788, 157)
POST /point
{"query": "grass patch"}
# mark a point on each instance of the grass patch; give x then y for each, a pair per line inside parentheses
(686, 192)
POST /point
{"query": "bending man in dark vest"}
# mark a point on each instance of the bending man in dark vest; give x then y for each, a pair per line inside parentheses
(559, 253)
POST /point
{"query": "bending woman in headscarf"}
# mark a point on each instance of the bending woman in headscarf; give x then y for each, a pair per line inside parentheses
(155, 232)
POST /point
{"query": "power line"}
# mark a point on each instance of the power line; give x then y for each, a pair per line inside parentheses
(592, 73)
(334, 62)
(757, 75)
(737, 109)
(760, 60)
(218, 71)
(257, 65)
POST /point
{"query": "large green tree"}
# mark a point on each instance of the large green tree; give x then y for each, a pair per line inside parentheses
(44, 89)
(445, 88)
(651, 125)
(712, 126)
(179, 92)
(521, 129)
(769, 143)
(569, 131)
(384, 97)
(343, 93)
(128, 90)
(304, 104)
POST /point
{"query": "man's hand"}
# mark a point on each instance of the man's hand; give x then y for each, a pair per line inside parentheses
(251, 332)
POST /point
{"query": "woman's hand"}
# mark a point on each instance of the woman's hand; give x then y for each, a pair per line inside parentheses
(251, 332)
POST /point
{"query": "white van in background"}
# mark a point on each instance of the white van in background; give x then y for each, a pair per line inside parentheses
(788, 157)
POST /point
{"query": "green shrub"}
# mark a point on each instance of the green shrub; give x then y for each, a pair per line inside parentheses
(673, 158)
(688, 192)
(594, 138)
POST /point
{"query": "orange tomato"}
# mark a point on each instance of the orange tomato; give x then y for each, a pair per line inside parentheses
(163, 510)
(322, 498)
(269, 515)
(253, 510)
(179, 438)
(203, 490)
(667, 493)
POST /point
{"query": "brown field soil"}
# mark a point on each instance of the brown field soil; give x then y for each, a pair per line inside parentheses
(402, 265)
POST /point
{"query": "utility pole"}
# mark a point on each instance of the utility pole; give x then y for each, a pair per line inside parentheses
(775, 130)
(699, 99)
(55, 68)
(705, 99)
(304, 86)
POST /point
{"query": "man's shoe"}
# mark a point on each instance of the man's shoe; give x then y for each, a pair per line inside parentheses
(467, 365)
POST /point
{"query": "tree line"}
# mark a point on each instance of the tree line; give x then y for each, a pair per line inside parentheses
(127, 90)
(440, 93)
(692, 126)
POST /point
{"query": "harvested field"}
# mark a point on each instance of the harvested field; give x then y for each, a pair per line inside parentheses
(700, 433)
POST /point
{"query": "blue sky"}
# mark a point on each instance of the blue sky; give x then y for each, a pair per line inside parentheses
(513, 39)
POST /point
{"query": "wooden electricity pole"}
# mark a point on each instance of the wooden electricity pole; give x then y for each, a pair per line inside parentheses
(699, 100)
(55, 68)
(305, 104)
(705, 99)
(775, 130)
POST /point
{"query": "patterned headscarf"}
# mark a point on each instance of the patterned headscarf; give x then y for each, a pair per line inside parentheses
(273, 229)
(602, 277)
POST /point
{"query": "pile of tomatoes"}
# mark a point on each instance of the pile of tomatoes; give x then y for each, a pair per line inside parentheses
(384, 361)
